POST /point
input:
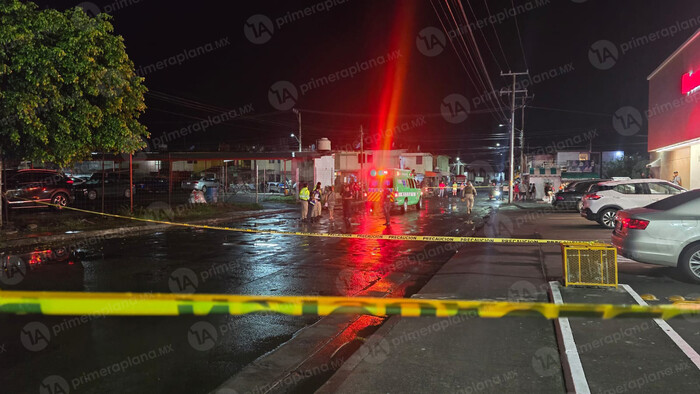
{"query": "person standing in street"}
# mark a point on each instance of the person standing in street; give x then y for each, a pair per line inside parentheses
(454, 188)
(516, 191)
(676, 179)
(304, 196)
(330, 202)
(469, 195)
(316, 198)
(347, 205)
(442, 189)
(387, 202)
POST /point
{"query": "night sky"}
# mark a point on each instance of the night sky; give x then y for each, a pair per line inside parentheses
(559, 37)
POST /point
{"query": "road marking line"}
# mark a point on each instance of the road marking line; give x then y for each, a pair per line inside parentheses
(665, 327)
(578, 376)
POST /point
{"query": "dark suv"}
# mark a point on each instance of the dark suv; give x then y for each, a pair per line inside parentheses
(116, 184)
(31, 188)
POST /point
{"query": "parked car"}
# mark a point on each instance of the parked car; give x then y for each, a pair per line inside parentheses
(116, 184)
(31, 188)
(275, 187)
(152, 184)
(612, 196)
(200, 182)
(570, 198)
(666, 232)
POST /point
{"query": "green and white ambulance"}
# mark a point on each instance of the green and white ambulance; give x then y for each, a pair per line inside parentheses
(402, 183)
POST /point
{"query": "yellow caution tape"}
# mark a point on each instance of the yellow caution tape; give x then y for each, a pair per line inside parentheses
(403, 237)
(149, 304)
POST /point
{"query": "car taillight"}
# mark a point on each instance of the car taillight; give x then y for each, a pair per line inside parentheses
(70, 181)
(593, 196)
(634, 224)
(560, 198)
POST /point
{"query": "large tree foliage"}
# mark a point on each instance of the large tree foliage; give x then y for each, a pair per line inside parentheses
(629, 166)
(67, 86)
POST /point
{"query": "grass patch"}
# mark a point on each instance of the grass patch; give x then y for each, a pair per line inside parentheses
(285, 199)
(189, 212)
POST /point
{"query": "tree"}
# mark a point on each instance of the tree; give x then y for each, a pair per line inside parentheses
(67, 86)
(628, 166)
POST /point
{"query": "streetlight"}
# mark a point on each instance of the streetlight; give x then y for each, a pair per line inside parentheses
(298, 140)
(498, 144)
(296, 111)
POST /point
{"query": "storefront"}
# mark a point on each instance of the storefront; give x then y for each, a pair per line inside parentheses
(674, 115)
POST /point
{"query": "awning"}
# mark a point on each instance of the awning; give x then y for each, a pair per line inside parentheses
(431, 174)
(655, 163)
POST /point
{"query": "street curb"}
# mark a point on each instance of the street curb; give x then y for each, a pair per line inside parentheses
(127, 231)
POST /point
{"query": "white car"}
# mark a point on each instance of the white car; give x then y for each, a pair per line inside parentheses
(612, 196)
(200, 182)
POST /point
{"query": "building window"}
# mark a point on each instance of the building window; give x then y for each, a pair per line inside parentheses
(271, 161)
(368, 158)
(419, 160)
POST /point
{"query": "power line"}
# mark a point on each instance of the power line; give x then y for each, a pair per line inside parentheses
(478, 53)
(520, 40)
(493, 26)
(570, 110)
(457, 52)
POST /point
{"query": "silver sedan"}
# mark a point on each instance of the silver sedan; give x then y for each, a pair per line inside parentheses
(666, 232)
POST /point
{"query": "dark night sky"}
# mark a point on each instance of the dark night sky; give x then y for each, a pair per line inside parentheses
(554, 35)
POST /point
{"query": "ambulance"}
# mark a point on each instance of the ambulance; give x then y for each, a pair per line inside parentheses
(402, 183)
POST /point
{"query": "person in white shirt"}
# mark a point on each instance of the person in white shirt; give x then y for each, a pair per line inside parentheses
(676, 178)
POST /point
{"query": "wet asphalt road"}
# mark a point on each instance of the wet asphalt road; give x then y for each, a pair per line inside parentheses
(196, 354)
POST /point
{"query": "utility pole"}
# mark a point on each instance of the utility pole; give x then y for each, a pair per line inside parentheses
(523, 159)
(362, 157)
(512, 128)
(296, 111)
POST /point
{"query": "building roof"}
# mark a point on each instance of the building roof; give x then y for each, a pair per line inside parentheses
(180, 156)
(674, 54)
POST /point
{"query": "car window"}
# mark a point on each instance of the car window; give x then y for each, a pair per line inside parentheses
(583, 187)
(675, 201)
(21, 178)
(625, 189)
(599, 188)
(662, 188)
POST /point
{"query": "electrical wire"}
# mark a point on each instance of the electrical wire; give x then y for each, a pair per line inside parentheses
(520, 39)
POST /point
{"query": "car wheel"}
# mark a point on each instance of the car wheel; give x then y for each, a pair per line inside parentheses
(404, 207)
(689, 263)
(92, 195)
(419, 206)
(607, 218)
(204, 189)
(59, 200)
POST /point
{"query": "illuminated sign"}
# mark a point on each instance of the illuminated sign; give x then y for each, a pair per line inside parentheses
(690, 83)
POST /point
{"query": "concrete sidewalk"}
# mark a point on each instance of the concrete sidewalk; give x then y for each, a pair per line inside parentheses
(463, 354)
(514, 355)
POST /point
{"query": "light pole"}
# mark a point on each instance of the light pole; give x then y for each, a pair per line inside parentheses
(296, 111)
(298, 140)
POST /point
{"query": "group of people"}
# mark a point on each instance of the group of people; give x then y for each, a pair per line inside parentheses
(456, 189)
(313, 201)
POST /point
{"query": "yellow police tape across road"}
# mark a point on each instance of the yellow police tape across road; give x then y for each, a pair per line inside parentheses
(388, 237)
(150, 304)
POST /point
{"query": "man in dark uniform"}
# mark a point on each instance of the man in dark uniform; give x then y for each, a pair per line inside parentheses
(387, 202)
